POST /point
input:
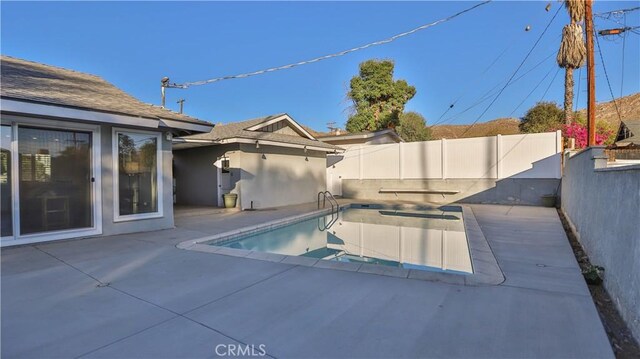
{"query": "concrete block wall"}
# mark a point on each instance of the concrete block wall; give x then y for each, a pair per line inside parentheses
(519, 191)
(602, 204)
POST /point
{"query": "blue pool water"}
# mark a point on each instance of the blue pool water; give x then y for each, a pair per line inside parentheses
(431, 239)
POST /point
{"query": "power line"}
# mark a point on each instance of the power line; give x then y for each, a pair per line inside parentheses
(489, 93)
(531, 92)
(515, 38)
(615, 103)
(616, 15)
(514, 73)
(341, 53)
(550, 83)
(607, 14)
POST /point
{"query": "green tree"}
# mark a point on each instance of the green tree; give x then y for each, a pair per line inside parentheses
(378, 100)
(413, 127)
(543, 117)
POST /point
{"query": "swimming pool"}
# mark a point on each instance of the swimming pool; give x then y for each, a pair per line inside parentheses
(429, 239)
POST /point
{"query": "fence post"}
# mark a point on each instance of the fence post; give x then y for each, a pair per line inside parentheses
(400, 156)
(498, 155)
(559, 145)
(443, 160)
(360, 162)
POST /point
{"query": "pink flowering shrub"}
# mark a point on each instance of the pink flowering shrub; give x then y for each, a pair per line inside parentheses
(578, 132)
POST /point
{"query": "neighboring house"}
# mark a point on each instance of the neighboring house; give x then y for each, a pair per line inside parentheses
(80, 157)
(628, 133)
(347, 139)
(269, 162)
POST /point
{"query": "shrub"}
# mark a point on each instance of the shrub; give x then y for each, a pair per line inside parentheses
(579, 132)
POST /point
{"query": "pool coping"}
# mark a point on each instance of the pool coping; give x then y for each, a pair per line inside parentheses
(486, 270)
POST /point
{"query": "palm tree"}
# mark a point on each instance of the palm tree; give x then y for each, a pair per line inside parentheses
(572, 53)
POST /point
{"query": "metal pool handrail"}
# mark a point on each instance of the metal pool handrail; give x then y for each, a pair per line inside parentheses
(326, 195)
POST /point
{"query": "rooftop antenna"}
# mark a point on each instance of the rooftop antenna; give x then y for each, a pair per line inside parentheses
(164, 83)
(181, 102)
(332, 126)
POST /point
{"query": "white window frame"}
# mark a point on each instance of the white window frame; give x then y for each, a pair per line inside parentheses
(96, 191)
(116, 175)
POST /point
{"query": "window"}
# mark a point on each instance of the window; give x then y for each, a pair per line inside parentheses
(138, 176)
(54, 173)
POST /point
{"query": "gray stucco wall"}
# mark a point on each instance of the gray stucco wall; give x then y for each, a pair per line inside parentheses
(275, 176)
(196, 175)
(106, 191)
(603, 207)
(269, 176)
(523, 191)
(109, 227)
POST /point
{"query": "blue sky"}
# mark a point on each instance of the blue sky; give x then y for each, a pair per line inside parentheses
(134, 45)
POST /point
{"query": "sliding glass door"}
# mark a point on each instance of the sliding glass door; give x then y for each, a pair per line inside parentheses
(55, 179)
(6, 217)
(48, 182)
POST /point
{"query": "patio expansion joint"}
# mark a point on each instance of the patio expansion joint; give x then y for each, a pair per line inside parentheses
(102, 284)
(241, 289)
(549, 291)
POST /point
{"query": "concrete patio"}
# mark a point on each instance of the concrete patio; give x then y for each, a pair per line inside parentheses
(138, 295)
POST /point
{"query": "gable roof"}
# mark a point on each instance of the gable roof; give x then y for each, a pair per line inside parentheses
(364, 135)
(633, 129)
(48, 85)
(248, 130)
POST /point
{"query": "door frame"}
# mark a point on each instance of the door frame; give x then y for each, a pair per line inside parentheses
(219, 190)
(96, 187)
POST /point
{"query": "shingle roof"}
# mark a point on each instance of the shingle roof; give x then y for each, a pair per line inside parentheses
(632, 126)
(238, 130)
(361, 134)
(34, 82)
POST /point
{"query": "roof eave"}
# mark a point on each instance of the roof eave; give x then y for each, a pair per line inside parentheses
(186, 126)
(362, 136)
(241, 140)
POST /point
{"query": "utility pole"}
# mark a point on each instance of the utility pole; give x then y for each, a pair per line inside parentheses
(181, 102)
(332, 126)
(591, 75)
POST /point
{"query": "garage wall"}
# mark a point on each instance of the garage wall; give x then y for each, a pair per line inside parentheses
(275, 176)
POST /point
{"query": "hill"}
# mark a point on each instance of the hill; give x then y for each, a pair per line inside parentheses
(629, 107)
(503, 126)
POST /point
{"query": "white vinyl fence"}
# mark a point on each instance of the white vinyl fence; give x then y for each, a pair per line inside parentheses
(511, 156)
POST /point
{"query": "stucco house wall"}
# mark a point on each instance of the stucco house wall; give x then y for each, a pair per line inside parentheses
(196, 176)
(106, 193)
(276, 176)
(270, 176)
